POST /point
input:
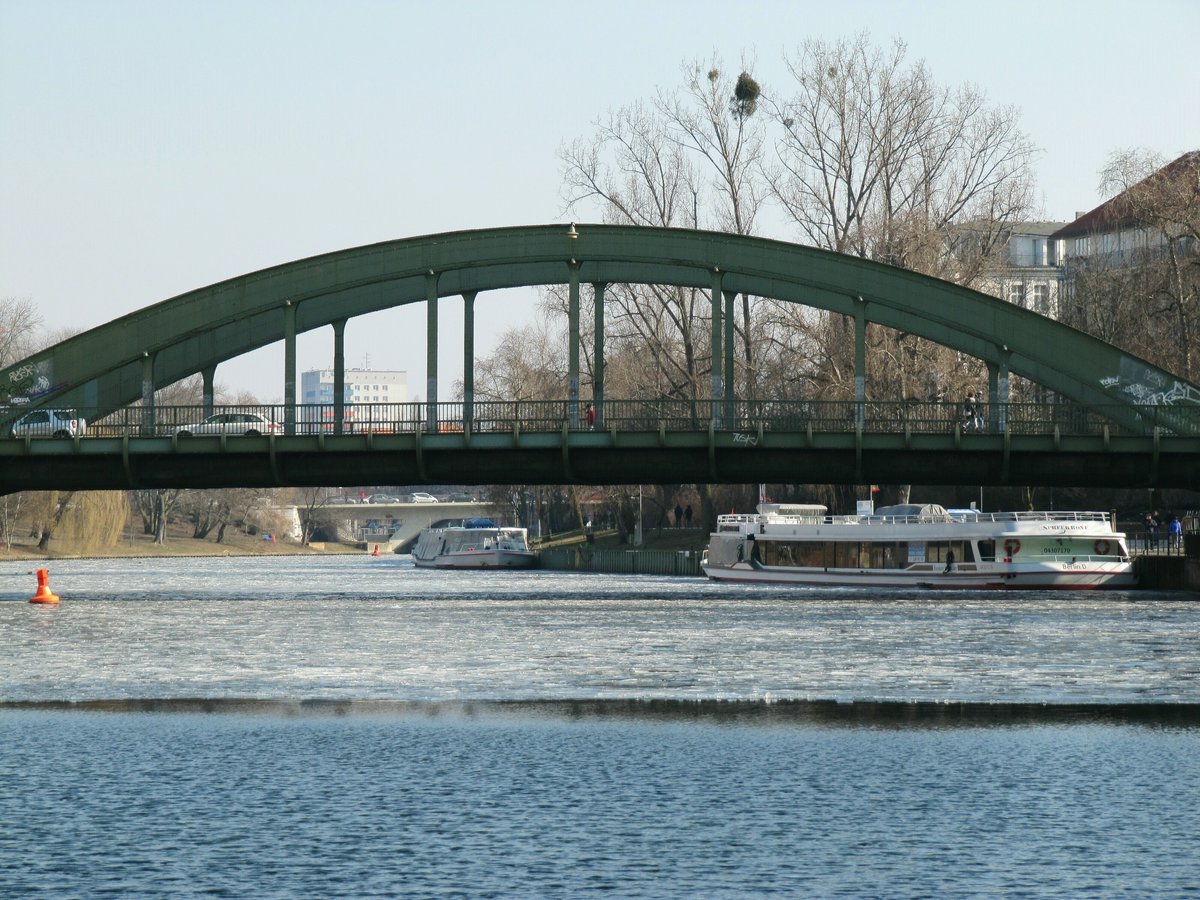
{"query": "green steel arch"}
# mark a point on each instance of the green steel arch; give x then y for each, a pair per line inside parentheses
(193, 332)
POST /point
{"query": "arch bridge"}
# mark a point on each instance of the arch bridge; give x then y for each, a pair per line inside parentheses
(1141, 425)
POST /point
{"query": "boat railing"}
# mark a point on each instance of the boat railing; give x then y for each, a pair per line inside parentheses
(1054, 515)
(735, 521)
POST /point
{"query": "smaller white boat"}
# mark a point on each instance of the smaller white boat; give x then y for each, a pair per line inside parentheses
(475, 544)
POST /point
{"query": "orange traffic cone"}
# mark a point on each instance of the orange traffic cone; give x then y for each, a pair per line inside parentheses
(43, 594)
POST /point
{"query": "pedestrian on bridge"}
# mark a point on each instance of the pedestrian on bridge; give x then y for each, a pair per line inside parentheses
(1152, 526)
(687, 516)
(1175, 533)
(678, 516)
(972, 413)
(590, 416)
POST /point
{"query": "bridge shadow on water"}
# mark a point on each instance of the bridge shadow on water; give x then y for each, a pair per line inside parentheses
(743, 713)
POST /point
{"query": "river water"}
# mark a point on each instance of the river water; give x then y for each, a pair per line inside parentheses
(352, 726)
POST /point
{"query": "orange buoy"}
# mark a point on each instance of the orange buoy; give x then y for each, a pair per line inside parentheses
(375, 552)
(43, 594)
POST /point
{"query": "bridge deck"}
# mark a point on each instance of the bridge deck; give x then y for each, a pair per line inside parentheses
(603, 457)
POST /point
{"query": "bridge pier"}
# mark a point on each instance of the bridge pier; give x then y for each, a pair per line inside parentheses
(573, 343)
(339, 375)
(730, 297)
(289, 367)
(431, 350)
(860, 360)
(598, 288)
(208, 376)
(468, 361)
(148, 393)
(718, 382)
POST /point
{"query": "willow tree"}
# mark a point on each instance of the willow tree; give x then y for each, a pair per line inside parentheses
(83, 521)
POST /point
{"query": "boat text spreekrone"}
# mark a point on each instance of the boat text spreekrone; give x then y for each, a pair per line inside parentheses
(476, 544)
(919, 546)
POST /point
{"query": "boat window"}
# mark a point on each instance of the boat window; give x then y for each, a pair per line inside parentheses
(810, 554)
(987, 551)
(936, 551)
(775, 553)
(851, 555)
(807, 554)
(889, 554)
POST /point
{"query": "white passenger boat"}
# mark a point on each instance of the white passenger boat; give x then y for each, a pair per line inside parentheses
(476, 544)
(919, 546)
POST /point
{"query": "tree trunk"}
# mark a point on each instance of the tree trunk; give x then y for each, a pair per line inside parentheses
(48, 529)
(160, 520)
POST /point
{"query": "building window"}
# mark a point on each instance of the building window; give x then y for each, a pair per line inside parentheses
(1016, 294)
(1041, 299)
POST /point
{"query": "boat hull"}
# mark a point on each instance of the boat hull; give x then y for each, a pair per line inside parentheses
(480, 559)
(1040, 577)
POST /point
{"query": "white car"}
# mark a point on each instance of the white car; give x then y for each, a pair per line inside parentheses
(422, 498)
(59, 423)
(249, 424)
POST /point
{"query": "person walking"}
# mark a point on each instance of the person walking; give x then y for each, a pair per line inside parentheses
(968, 412)
(678, 516)
(590, 417)
(687, 516)
(1175, 533)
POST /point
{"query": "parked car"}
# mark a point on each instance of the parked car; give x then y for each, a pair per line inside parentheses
(59, 423)
(383, 498)
(249, 424)
(420, 497)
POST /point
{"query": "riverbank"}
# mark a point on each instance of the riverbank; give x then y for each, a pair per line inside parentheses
(178, 544)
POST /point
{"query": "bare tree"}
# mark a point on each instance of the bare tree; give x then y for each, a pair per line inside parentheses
(10, 513)
(879, 161)
(1163, 201)
(526, 365)
(875, 159)
(310, 502)
(19, 324)
(713, 118)
(638, 173)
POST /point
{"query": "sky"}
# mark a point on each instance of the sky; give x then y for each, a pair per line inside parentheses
(150, 148)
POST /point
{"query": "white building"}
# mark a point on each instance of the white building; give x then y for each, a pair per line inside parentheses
(1031, 273)
(1114, 234)
(363, 387)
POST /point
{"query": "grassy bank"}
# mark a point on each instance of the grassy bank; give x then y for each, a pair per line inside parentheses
(179, 542)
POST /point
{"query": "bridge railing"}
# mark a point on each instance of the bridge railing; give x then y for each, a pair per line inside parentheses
(828, 416)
